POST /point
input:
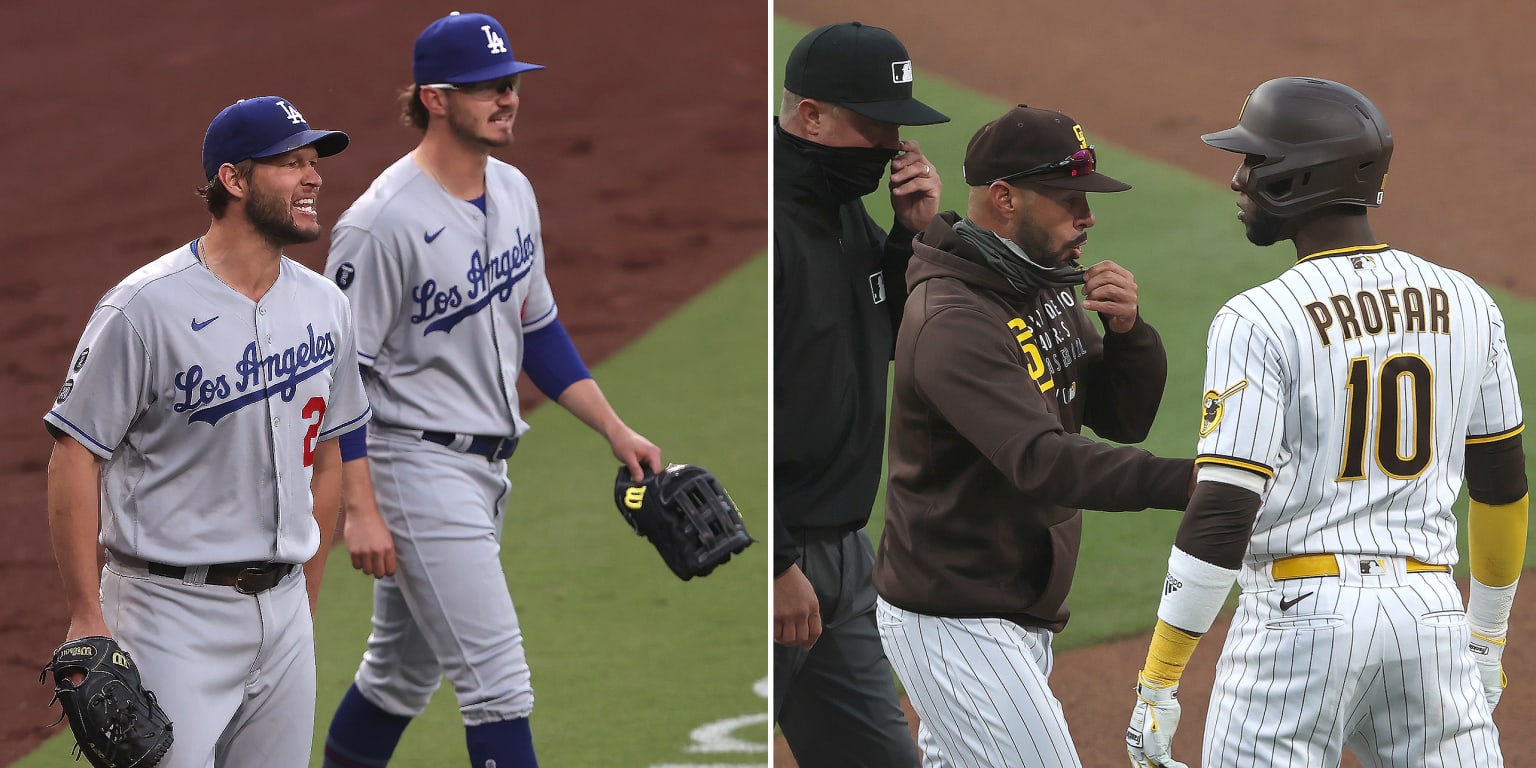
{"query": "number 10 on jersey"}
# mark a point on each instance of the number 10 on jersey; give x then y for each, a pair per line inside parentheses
(1403, 390)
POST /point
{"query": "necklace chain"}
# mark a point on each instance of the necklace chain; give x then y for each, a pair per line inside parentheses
(202, 258)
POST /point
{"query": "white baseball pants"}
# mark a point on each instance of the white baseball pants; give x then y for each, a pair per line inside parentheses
(1374, 658)
(235, 673)
(980, 687)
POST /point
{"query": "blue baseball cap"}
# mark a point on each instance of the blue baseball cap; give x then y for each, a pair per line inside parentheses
(465, 48)
(262, 127)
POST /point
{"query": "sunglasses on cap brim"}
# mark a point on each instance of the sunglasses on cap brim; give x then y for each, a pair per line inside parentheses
(1079, 163)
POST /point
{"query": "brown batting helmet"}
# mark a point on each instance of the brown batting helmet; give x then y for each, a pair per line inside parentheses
(1320, 143)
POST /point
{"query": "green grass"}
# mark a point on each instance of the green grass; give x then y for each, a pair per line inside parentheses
(627, 659)
(1179, 236)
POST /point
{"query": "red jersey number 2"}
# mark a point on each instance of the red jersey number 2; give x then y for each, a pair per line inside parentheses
(314, 413)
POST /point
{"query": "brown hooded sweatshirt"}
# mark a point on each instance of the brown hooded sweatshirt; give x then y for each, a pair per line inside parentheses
(988, 474)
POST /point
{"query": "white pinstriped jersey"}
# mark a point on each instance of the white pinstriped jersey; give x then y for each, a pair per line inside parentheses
(442, 295)
(206, 408)
(1353, 382)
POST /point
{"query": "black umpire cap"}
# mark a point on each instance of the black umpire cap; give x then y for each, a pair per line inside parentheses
(863, 68)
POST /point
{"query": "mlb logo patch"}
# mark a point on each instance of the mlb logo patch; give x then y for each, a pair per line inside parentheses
(877, 287)
(901, 71)
(1362, 261)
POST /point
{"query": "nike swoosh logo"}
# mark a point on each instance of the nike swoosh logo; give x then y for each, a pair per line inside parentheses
(433, 236)
(1286, 605)
(196, 326)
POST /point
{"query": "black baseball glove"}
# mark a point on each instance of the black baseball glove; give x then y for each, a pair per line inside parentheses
(686, 514)
(117, 723)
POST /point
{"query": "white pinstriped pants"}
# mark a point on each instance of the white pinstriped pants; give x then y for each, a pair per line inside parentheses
(1375, 659)
(980, 687)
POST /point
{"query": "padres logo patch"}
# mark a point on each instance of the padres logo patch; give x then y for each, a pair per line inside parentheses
(1214, 405)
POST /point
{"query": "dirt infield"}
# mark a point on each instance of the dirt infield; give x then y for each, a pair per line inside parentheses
(652, 186)
(1152, 77)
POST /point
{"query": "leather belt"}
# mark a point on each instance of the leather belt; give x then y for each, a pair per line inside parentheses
(490, 446)
(248, 578)
(1311, 566)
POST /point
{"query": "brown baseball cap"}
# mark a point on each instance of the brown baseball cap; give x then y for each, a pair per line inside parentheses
(1037, 146)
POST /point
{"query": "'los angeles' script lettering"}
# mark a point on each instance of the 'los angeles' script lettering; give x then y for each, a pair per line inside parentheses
(489, 278)
(277, 373)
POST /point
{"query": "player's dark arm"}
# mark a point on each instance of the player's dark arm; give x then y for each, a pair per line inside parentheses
(74, 519)
(1497, 521)
(325, 489)
(1125, 385)
(1207, 551)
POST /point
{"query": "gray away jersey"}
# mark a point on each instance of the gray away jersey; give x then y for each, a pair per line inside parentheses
(1353, 382)
(206, 408)
(442, 295)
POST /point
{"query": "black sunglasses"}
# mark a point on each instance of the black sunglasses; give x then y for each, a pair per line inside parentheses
(485, 89)
(1080, 163)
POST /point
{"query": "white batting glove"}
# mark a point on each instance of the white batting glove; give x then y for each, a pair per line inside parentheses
(1149, 738)
(1488, 652)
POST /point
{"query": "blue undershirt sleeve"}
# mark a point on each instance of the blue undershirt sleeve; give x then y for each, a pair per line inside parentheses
(552, 361)
(354, 444)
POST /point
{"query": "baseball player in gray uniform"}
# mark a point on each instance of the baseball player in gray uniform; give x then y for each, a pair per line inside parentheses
(196, 427)
(443, 259)
(1345, 401)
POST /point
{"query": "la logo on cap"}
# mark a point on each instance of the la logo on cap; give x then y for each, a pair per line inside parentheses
(291, 112)
(901, 71)
(493, 41)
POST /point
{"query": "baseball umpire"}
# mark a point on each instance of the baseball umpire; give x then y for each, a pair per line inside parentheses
(837, 299)
(443, 260)
(197, 426)
(998, 369)
(1345, 400)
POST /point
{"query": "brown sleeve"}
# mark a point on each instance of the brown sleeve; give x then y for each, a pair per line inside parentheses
(1125, 387)
(972, 374)
(1218, 523)
(1496, 471)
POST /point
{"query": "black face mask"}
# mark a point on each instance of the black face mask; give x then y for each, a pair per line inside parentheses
(851, 172)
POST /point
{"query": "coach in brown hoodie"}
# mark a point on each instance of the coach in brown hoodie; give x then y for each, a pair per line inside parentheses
(998, 368)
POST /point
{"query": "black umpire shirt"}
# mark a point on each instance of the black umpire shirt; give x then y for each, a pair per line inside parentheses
(839, 288)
